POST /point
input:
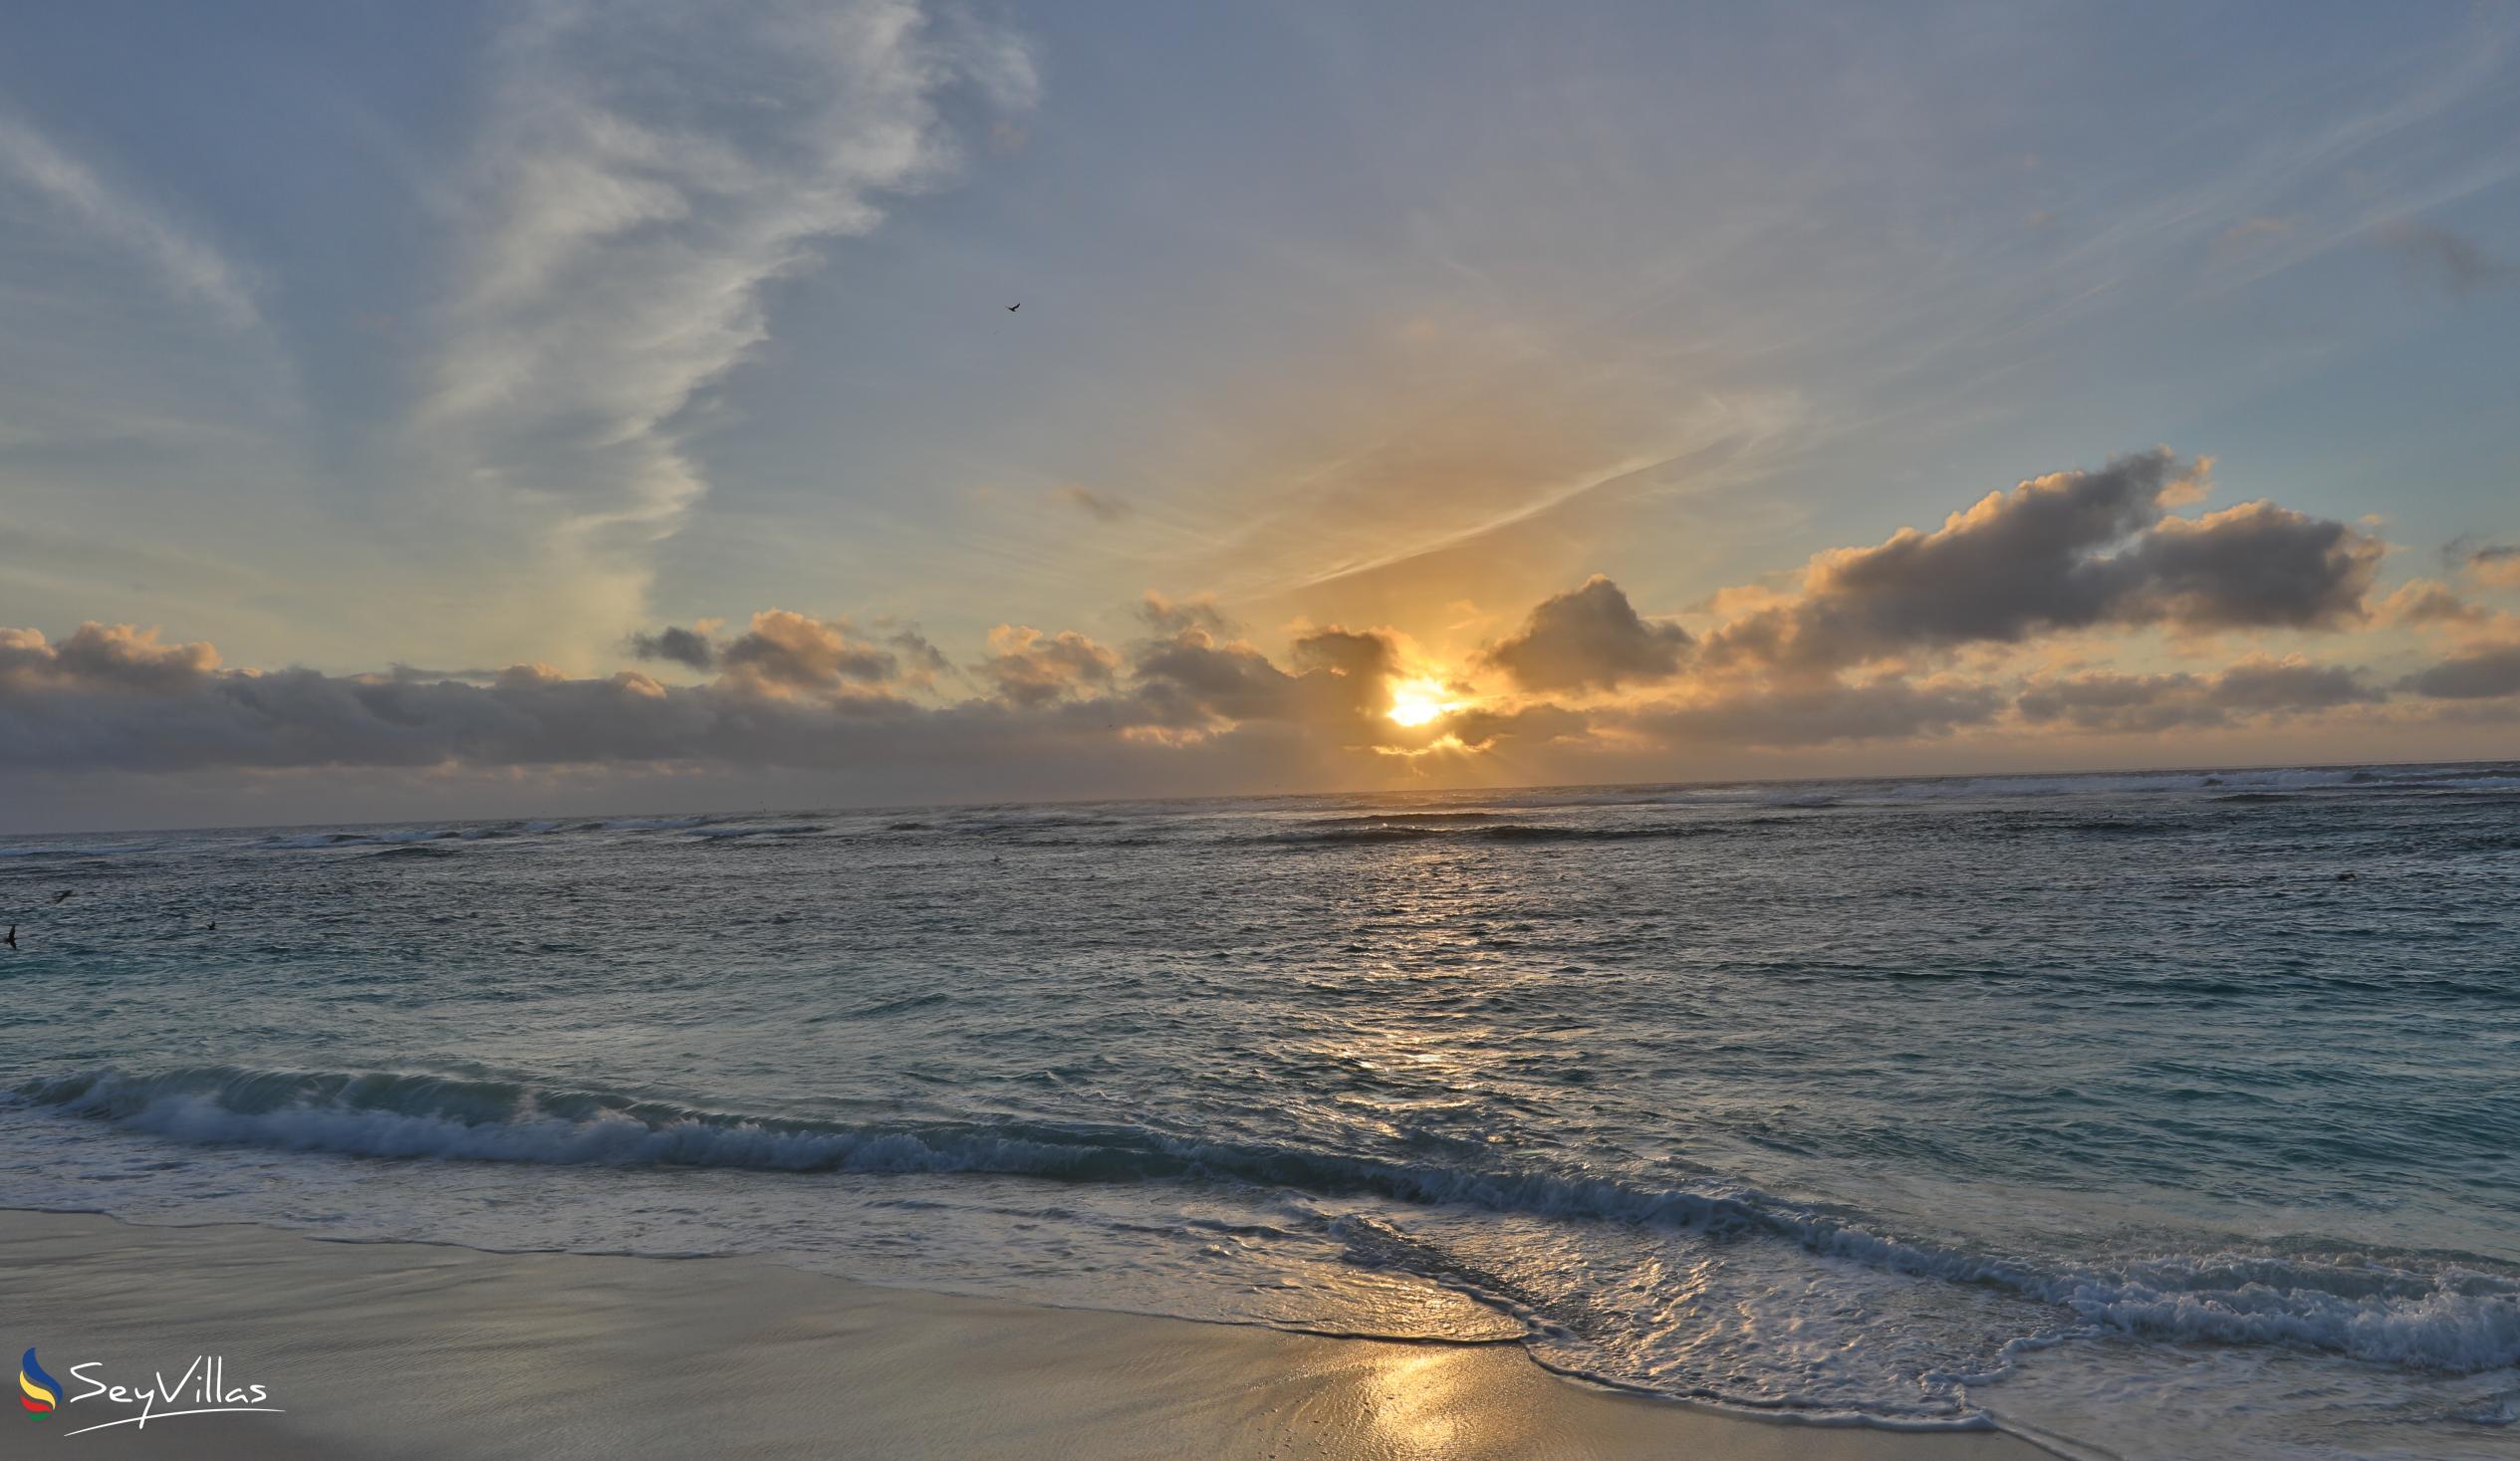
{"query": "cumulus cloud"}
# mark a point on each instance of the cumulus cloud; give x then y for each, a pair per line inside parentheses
(1338, 679)
(1029, 667)
(2147, 704)
(788, 652)
(791, 691)
(2070, 550)
(2479, 674)
(1588, 639)
(1192, 681)
(528, 716)
(104, 658)
(682, 646)
(1816, 714)
(921, 661)
(2255, 566)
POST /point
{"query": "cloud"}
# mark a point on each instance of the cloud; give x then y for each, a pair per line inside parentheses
(1588, 639)
(1100, 506)
(1887, 709)
(2495, 564)
(1484, 729)
(104, 658)
(2422, 602)
(189, 265)
(645, 172)
(2479, 674)
(2291, 686)
(1173, 616)
(792, 691)
(2039, 559)
(1194, 681)
(2445, 259)
(1340, 682)
(786, 652)
(1192, 707)
(680, 646)
(922, 661)
(1029, 667)
(2255, 566)
(2144, 704)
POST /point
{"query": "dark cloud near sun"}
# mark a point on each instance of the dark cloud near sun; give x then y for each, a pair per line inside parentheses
(1588, 639)
(1338, 677)
(1488, 730)
(1189, 681)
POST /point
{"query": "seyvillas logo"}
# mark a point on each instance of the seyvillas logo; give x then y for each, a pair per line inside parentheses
(37, 1391)
(203, 1388)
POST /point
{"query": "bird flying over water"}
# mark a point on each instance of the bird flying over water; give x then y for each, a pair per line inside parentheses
(12, 939)
(59, 896)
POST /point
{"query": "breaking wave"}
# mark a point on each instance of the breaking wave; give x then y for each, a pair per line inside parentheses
(2437, 1315)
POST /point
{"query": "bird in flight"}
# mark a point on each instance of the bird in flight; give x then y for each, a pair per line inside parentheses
(62, 896)
(1011, 308)
(12, 939)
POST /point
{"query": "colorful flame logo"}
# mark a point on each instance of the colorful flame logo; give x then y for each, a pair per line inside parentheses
(42, 1392)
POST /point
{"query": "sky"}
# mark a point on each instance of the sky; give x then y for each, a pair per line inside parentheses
(483, 410)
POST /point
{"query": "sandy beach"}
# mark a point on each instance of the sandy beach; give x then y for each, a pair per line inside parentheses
(399, 1350)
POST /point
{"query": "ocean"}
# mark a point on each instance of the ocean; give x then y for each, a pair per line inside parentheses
(2145, 1116)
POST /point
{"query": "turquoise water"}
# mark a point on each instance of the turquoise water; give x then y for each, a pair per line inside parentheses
(2119, 1110)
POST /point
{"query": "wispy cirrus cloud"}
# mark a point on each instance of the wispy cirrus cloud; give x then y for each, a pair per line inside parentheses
(177, 254)
(646, 173)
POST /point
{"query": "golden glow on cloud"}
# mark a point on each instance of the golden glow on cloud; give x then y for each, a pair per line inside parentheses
(1415, 702)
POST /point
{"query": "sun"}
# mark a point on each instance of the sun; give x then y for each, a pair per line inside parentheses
(1415, 702)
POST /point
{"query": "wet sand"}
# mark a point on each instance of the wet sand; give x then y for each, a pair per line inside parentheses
(402, 1351)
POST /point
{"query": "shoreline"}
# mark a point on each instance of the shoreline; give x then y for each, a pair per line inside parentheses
(410, 1351)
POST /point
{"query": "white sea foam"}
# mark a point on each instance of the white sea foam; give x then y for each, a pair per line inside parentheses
(2449, 1319)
